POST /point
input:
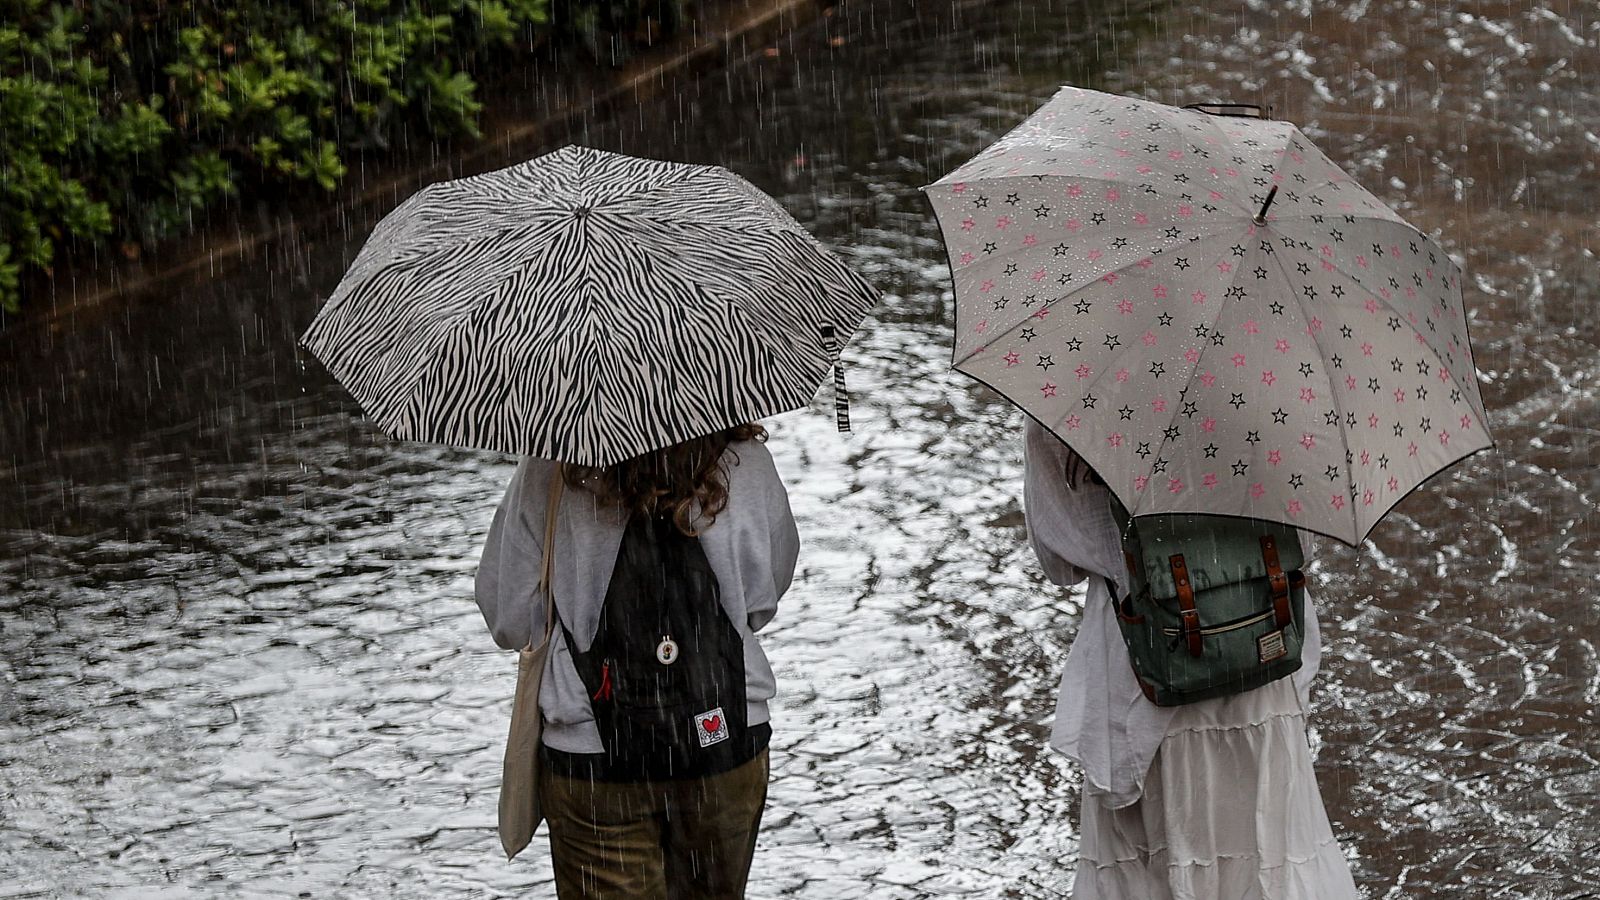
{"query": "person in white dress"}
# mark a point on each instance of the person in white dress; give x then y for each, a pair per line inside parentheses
(1215, 800)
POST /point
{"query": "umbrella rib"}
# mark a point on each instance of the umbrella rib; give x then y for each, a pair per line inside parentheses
(1050, 303)
(1357, 279)
(1222, 308)
(1333, 394)
(1166, 113)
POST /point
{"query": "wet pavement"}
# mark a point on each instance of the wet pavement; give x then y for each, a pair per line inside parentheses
(238, 651)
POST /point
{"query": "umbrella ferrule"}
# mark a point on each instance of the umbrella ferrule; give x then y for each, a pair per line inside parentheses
(1261, 217)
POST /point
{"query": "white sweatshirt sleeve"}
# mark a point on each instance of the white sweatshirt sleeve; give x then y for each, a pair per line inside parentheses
(507, 586)
(1070, 528)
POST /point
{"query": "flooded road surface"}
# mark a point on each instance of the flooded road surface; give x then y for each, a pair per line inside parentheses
(238, 651)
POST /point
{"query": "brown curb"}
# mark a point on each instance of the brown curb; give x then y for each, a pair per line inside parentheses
(730, 36)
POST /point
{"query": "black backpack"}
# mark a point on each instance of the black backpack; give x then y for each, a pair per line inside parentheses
(665, 673)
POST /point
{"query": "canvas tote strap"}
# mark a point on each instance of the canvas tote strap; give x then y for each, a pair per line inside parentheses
(547, 563)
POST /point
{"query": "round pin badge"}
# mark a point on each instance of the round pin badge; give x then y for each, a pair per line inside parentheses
(667, 651)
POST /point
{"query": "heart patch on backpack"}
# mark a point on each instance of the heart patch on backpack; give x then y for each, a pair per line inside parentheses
(711, 727)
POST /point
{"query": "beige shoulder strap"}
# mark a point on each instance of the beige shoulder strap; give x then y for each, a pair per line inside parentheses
(546, 564)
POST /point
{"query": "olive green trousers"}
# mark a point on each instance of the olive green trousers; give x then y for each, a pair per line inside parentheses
(691, 839)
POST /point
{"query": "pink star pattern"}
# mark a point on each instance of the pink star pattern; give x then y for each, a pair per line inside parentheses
(1076, 251)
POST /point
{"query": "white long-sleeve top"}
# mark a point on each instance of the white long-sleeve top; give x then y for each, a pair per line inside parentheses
(752, 547)
(1103, 720)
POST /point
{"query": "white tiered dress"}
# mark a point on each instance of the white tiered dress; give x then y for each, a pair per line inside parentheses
(1215, 800)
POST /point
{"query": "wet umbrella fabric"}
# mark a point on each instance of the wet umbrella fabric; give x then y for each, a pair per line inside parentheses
(586, 307)
(1112, 279)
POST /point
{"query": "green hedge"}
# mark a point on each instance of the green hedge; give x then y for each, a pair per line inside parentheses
(123, 123)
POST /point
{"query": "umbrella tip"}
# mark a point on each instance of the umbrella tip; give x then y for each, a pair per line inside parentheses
(1261, 217)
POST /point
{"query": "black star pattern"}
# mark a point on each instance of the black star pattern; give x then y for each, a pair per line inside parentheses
(1097, 219)
(990, 247)
(1332, 472)
(1303, 268)
(1399, 430)
(1157, 369)
(1001, 303)
(1171, 433)
(1279, 416)
(1172, 233)
(1125, 413)
(1112, 342)
(1189, 408)
(1260, 273)
(1165, 320)
(981, 202)
(1295, 481)
(1089, 401)
(1011, 268)
(1181, 262)
(1143, 451)
(1276, 307)
(1383, 461)
(1061, 249)
(1330, 418)
(1211, 451)
(1373, 385)
(1239, 468)
(1159, 466)
(1237, 250)
(1013, 199)
(1345, 332)
(1028, 334)
(1252, 437)
(1081, 306)
(1074, 345)
(1119, 243)
(1306, 369)
(1237, 400)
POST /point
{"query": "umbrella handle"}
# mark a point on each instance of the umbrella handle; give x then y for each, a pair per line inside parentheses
(841, 396)
(1236, 110)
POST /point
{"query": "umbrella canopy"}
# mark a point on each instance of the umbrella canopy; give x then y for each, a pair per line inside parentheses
(587, 307)
(1213, 315)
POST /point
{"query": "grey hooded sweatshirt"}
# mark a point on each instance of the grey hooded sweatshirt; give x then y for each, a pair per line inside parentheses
(752, 547)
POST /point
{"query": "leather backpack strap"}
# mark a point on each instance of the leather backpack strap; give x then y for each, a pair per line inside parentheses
(1186, 609)
(1277, 581)
(547, 562)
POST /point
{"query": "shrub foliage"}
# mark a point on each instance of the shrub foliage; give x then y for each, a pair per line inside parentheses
(125, 123)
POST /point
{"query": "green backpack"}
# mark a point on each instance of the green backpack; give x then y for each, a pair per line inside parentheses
(1216, 606)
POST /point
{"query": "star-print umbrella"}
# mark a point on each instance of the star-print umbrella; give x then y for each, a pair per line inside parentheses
(1213, 315)
(586, 307)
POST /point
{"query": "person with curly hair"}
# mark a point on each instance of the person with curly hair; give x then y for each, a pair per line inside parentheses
(665, 567)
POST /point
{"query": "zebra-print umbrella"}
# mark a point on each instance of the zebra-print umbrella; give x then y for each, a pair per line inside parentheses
(586, 307)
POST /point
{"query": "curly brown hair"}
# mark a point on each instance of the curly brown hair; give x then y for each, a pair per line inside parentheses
(679, 481)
